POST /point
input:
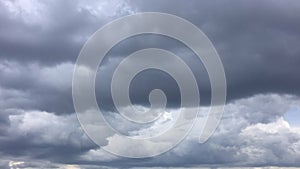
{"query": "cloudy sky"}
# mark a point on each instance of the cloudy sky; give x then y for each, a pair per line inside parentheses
(258, 43)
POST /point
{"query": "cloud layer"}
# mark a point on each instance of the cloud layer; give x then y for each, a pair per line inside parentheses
(252, 133)
(258, 43)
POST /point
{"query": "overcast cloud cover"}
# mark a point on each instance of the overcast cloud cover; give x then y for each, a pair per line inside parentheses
(258, 42)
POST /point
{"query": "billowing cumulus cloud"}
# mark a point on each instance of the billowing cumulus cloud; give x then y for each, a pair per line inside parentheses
(247, 136)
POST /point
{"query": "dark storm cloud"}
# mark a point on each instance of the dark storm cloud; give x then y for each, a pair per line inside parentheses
(52, 33)
(31, 86)
(46, 35)
(257, 42)
(22, 41)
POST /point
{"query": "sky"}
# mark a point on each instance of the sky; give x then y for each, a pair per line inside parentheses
(257, 41)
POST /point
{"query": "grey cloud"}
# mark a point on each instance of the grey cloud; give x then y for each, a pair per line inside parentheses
(31, 86)
(252, 133)
(259, 49)
(40, 135)
(258, 43)
(51, 32)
